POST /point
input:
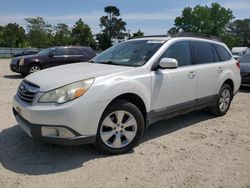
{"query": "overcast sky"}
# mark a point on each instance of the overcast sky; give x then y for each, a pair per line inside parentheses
(151, 16)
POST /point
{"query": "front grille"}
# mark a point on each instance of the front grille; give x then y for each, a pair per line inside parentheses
(27, 91)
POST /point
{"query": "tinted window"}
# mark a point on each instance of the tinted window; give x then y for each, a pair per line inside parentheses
(61, 51)
(203, 52)
(223, 53)
(179, 51)
(74, 51)
(245, 59)
(216, 56)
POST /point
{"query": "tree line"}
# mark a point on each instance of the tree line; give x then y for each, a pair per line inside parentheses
(214, 20)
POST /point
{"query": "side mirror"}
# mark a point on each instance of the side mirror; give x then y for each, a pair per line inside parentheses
(52, 54)
(168, 63)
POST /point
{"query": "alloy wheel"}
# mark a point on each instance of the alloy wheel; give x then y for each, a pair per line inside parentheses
(118, 129)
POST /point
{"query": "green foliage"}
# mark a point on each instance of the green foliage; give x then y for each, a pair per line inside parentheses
(12, 35)
(240, 30)
(82, 34)
(214, 20)
(39, 32)
(113, 27)
(203, 19)
(62, 35)
(139, 33)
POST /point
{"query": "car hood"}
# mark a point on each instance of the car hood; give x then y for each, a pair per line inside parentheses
(25, 56)
(52, 78)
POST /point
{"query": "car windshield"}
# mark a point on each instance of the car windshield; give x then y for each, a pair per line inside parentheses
(45, 51)
(131, 53)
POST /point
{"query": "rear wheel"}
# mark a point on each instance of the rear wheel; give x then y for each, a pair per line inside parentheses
(120, 129)
(34, 68)
(223, 101)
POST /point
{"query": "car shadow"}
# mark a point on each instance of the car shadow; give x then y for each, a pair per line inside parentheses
(21, 154)
(244, 89)
(14, 76)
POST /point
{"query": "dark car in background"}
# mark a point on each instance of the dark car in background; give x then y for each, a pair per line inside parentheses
(51, 57)
(26, 52)
(245, 69)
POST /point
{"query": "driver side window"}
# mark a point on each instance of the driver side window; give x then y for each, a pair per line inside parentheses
(179, 51)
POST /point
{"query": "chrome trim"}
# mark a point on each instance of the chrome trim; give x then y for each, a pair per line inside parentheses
(27, 91)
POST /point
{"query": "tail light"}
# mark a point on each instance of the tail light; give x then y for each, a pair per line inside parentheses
(238, 64)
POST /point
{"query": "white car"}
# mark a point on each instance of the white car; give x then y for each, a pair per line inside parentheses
(111, 100)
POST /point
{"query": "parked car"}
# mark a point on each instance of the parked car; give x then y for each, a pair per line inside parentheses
(26, 52)
(245, 69)
(111, 100)
(51, 57)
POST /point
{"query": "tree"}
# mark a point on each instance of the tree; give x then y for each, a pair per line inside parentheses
(113, 27)
(13, 35)
(203, 19)
(240, 31)
(1, 36)
(62, 35)
(139, 33)
(82, 34)
(39, 32)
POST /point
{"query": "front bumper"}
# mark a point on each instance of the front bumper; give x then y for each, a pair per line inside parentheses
(34, 131)
(14, 68)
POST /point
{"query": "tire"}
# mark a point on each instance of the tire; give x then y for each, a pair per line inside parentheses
(121, 127)
(223, 101)
(23, 74)
(34, 68)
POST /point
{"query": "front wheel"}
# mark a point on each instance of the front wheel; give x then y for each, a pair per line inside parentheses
(120, 128)
(34, 68)
(223, 101)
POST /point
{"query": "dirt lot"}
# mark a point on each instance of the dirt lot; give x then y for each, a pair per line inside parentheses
(195, 150)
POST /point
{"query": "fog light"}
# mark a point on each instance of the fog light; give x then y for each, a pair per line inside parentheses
(56, 132)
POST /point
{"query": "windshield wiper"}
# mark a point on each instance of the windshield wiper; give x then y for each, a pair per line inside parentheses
(108, 62)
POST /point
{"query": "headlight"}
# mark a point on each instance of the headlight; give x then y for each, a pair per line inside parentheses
(21, 62)
(66, 93)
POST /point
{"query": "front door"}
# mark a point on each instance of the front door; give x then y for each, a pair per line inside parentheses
(175, 89)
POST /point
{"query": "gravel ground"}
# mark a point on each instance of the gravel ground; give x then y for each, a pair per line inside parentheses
(194, 150)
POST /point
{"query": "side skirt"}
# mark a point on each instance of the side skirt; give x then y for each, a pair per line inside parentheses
(180, 109)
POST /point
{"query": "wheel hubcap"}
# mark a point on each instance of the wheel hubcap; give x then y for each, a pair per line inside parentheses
(118, 129)
(34, 69)
(224, 100)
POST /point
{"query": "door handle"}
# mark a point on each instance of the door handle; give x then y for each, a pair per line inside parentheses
(192, 74)
(220, 69)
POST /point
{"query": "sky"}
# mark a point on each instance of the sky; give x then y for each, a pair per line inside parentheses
(151, 16)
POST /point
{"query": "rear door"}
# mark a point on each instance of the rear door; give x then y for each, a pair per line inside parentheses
(209, 68)
(74, 55)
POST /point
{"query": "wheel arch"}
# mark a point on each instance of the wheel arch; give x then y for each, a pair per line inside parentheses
(134, 99)
(230, 83)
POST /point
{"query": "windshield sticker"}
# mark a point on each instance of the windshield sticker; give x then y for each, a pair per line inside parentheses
(155, 42)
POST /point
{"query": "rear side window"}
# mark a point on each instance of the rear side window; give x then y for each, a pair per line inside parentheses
(88, 52)
(245, 59)
(74, 51)
(203, 52)
(222, 52)
(179, 51)
(60, 51)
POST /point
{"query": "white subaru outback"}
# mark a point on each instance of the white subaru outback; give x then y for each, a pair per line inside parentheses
(111, 100)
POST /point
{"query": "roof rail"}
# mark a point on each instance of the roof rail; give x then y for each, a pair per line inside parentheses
(198, 35)
(148, 36)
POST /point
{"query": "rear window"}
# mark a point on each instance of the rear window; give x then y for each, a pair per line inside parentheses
(222, 52)
(245, 59)
(203, 52)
